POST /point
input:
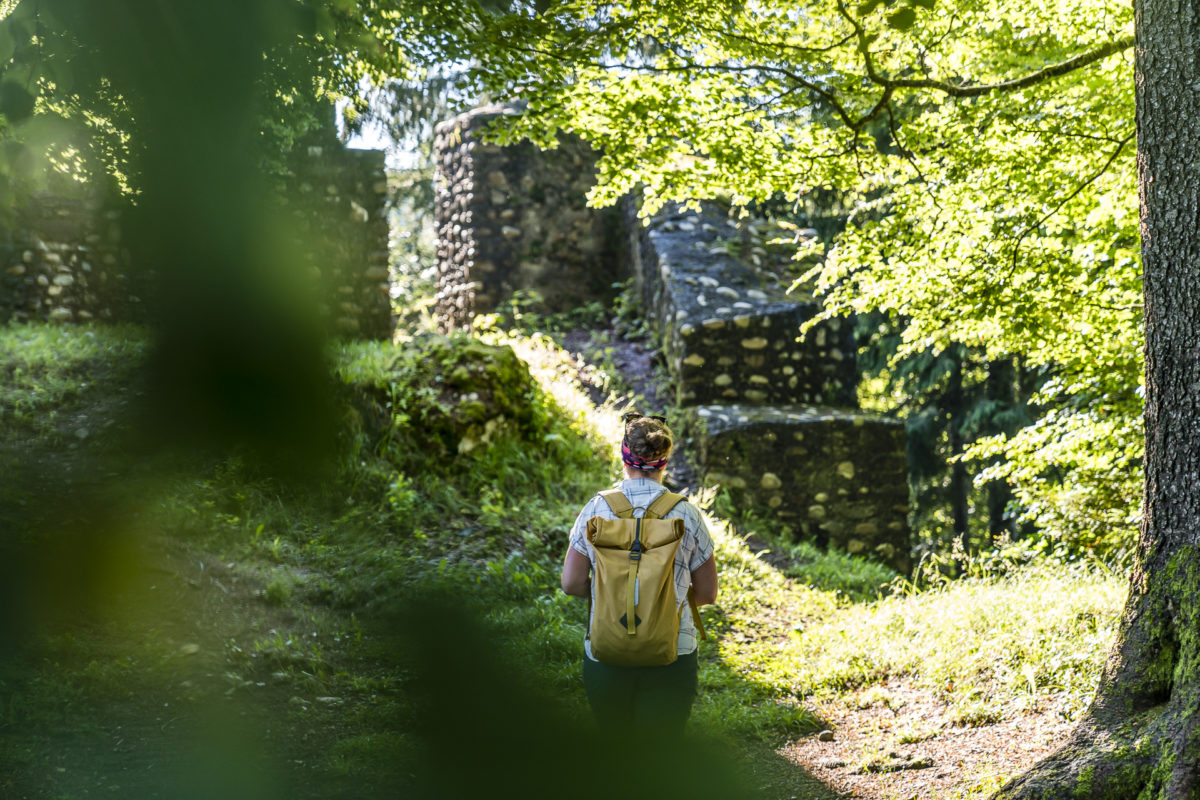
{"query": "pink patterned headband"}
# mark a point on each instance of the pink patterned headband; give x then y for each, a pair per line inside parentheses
(637, 462)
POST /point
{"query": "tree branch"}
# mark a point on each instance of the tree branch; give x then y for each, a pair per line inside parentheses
(1057, 206)
(965, 90)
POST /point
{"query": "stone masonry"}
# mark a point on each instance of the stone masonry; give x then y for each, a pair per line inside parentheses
(831, 473)
(729, 335)
(341, 197)
(64, 259)
(776, 412)
(515, 220)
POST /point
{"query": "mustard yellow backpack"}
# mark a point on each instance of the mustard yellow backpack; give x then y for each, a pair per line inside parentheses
(635, 613)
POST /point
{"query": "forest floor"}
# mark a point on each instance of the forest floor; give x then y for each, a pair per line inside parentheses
(908, 747)
(201, 634)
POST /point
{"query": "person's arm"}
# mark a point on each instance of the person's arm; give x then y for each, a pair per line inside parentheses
(576, 573)
(704, 582)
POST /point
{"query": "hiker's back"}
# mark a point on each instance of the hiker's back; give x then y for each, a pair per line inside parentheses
(635, 614)
(671, 547)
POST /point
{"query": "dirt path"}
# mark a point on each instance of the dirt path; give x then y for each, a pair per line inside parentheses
(897, 741)
(644, 385)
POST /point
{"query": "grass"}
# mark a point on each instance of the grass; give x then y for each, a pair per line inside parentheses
(989, 646)
(46, 367)
(295, 606)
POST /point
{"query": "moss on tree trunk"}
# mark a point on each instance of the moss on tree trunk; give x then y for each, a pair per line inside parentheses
(1141, 737)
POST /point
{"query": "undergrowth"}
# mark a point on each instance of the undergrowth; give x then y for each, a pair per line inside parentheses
(47, 368)
(463, 464)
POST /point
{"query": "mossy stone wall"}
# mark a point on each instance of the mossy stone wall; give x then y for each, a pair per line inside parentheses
(63, 261)
(776, 411)
(729, 334)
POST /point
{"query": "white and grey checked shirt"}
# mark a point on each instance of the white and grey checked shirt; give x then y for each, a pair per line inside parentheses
(695, 548)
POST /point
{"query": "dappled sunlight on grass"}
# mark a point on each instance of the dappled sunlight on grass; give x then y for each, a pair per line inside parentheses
(302, 579)
(987, 646)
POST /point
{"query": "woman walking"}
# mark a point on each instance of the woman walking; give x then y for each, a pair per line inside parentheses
(655, 699)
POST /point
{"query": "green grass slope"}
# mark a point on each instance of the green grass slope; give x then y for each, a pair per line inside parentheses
(396, 628)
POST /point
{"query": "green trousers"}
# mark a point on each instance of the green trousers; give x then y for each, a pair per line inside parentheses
(642, 700)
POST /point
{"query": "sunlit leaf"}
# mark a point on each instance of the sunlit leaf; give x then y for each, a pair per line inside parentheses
(903, 19)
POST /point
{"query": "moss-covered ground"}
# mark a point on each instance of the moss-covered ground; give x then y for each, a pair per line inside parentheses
(186, 627)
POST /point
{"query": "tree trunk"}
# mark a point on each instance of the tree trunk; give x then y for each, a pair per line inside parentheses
(960, 483)
(1141, 736)
(1002, 388)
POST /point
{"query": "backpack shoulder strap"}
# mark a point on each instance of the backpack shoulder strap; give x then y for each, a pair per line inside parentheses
(618, 502)
(699, 623)
(662, 505)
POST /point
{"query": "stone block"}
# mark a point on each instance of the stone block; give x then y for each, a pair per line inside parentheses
(846, 486)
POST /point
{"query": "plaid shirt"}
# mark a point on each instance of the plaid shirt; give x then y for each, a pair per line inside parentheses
(695, 548)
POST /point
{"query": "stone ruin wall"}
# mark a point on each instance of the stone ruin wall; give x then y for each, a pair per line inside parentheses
(64, 260)
(341, 195)
(729, 334)
(515, 220)
(836, 476)
(776, 412)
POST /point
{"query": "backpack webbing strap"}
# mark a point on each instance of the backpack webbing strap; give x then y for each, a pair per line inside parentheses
(635, 560)
(696, 614)
(618, 502)
(662, 505)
